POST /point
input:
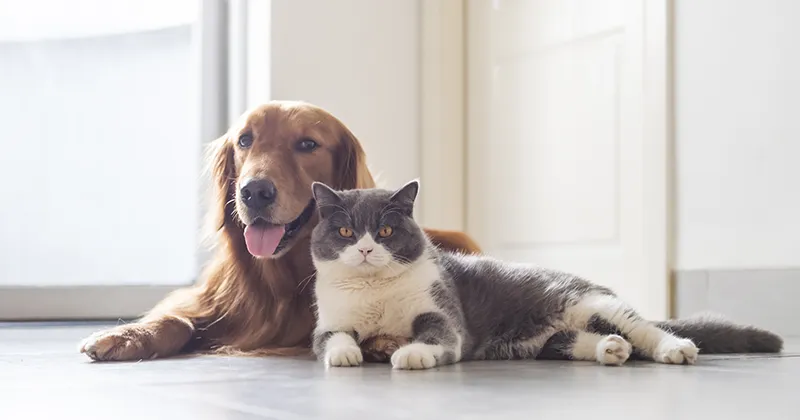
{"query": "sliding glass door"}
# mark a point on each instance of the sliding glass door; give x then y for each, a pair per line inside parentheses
(105, 109)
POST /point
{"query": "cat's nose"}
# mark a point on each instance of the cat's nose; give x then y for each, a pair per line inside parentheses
(365, 251)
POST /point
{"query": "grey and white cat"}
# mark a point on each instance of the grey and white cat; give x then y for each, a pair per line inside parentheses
(377, 273)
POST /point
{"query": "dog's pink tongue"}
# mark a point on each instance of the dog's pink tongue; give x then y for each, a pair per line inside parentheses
(262, 240)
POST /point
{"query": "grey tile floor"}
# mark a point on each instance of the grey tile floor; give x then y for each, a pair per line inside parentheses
(43, 377)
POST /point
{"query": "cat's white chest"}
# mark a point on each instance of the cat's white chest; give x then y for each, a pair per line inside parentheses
(376, 306)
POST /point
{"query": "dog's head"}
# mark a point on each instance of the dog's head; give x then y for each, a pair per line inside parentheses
(263, 168)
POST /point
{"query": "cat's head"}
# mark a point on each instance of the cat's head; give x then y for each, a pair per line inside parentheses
(367, 232)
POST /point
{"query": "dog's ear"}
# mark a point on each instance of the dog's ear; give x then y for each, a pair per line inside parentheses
(351, 164)
(223, 179)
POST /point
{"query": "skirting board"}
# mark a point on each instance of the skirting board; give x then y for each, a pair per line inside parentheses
(765, 298)
(78, 302)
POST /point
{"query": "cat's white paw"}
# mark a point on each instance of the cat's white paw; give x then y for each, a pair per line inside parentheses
(676, 351)
(416, 356)
(344, 356)
(613, 350)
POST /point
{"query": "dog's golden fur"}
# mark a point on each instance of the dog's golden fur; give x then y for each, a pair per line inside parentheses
(245, 305)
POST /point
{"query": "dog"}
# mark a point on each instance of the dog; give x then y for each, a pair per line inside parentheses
(255, 294)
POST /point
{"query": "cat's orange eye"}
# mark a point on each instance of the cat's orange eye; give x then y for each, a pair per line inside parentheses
(385, 232)
(345, 232)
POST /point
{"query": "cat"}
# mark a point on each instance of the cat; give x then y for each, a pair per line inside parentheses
(379, 275)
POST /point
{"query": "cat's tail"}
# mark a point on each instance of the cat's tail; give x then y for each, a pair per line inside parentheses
(716, 335)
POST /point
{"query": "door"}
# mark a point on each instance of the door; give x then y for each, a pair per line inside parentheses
(558, 160)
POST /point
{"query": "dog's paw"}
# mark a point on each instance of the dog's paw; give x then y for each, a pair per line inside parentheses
(125, 342)
(613, 350)
(415, 356)
(344, 356)
(380, 348)
(676, 351)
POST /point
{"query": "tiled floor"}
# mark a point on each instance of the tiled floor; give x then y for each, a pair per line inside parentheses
(43, 376)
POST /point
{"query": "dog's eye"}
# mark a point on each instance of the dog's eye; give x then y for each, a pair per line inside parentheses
(245, 141)
(306, 145)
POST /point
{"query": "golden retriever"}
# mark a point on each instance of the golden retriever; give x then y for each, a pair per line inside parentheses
(255, 296)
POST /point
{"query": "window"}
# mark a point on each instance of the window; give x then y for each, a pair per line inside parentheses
(102, 137)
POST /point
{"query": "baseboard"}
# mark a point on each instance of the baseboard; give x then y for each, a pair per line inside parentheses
(78, 302)
(765, 298)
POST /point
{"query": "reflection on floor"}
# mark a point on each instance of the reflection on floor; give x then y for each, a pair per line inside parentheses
(43, 376)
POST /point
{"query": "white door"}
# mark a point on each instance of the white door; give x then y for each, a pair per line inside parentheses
(558, 161)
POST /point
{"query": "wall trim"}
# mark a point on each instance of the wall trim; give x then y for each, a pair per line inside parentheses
(443, 106)
(657, 152)
(765, 298)
(79, 302)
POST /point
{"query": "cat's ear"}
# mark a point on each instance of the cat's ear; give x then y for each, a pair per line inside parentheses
(406, 195)
(327, 199)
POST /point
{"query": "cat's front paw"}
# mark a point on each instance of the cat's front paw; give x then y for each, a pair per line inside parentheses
(613, 350)
(676, 351)
(415, 356)
(344, 356)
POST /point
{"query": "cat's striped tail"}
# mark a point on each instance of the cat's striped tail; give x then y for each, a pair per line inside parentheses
(716, 335)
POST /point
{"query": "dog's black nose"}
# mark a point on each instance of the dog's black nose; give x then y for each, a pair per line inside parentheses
(258, 193)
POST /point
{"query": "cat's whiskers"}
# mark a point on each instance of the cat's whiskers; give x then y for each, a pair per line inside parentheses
(334, 205)
(356, 283)
(394, 211)
(339, 209)
(391, 271)
(384, 211)
(400, 258)
(306, 281)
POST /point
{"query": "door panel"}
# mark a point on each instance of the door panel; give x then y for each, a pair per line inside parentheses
(556, 139)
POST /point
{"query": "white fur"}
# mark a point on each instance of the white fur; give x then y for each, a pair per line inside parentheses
(662, 346)
(613, 350)
(675, 350)
(373, 299)
(585, 345)
(342, 350)
(459, 345)
(353, 257)
(416, 356)
(604, 349)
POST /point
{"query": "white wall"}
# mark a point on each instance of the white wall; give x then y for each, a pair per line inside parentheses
(738, 133)
(359, 59)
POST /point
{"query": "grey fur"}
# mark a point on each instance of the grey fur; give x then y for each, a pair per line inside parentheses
(558, 347)
(434, 328)
(504, 305)
(710, 332)
(716, 335)
(501, 310)
(320, 340)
